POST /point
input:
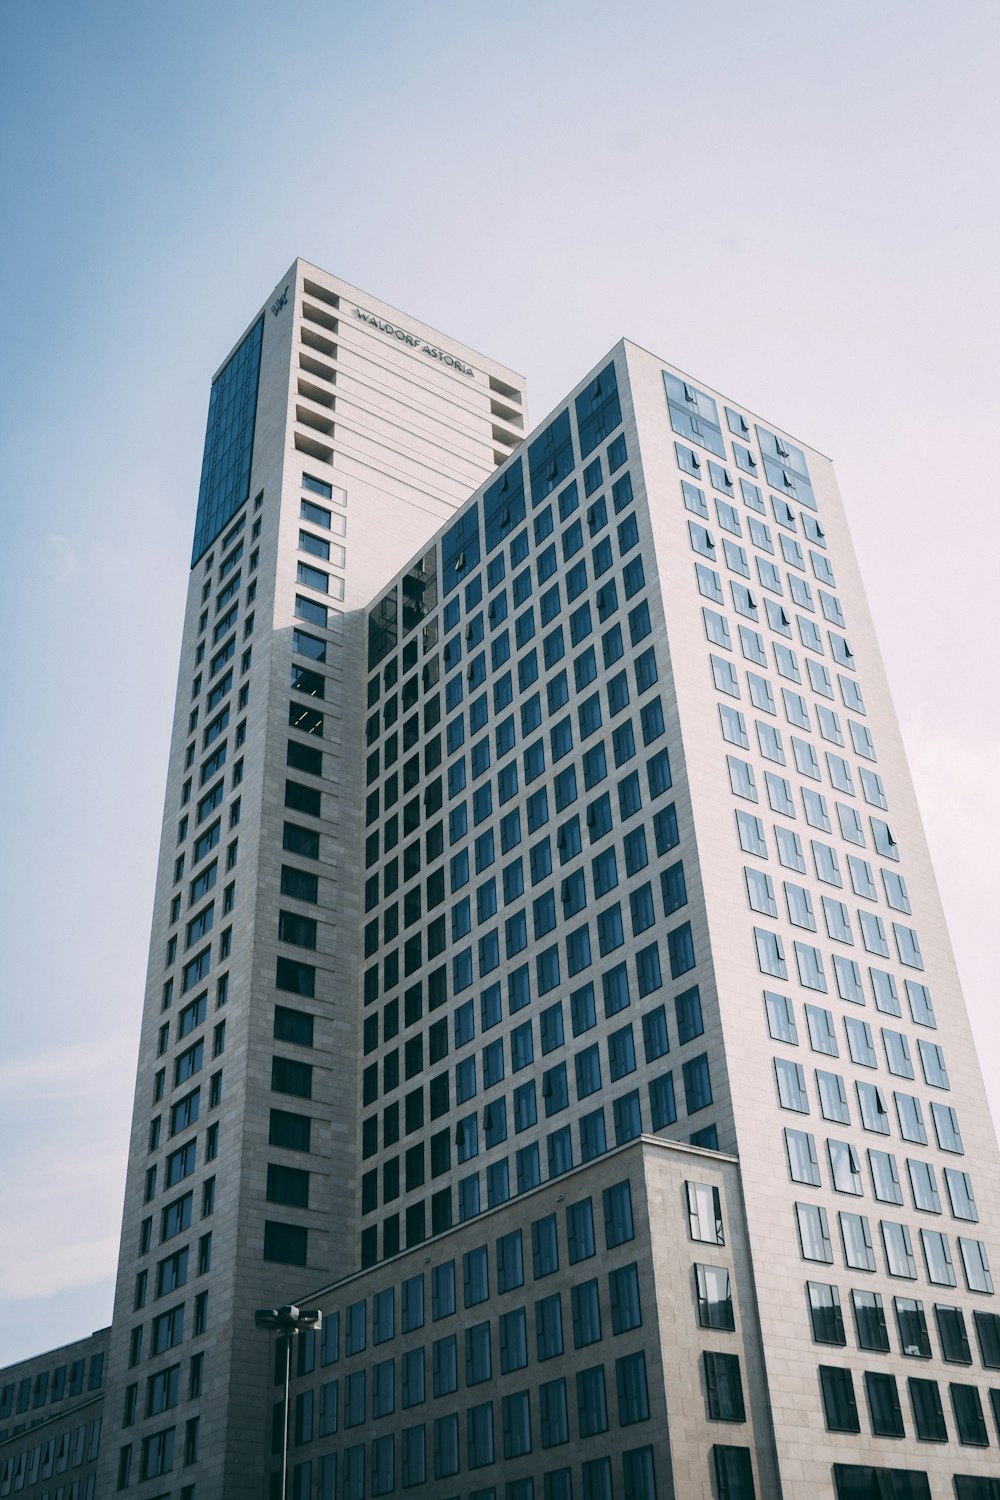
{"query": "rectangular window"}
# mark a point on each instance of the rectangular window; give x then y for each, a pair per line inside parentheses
(814, 1233)
(592, 1409)
(839, 1405)
(967, 1406)
(723, 1387)
(914, 1340)
(704, 1206)
(618, 1225)
(715, 1299)
(883, 1404)
(869, 1321)
(928, 1413)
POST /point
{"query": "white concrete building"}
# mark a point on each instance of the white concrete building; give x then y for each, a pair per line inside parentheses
(519, 847)
(340, 436)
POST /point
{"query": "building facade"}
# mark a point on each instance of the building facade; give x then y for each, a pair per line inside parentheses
(538, 838)
(51, 1410)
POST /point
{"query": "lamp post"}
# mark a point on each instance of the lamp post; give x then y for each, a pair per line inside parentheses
(287, 1321)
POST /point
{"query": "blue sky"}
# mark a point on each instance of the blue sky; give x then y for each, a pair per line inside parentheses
(796, 203)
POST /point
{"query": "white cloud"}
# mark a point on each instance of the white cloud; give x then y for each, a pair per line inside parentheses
(40, 1270)
(65, 1175)
(64, 560)
(70, 1070)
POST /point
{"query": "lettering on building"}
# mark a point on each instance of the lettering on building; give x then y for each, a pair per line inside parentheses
(413, 341)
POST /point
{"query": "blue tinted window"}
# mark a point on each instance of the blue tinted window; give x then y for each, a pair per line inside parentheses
(688, 1009)
(621, 493)
(592, 476)
(593, 1138)
(785, 467)
(550, 457)
(661, 1101)
(681, 948)
(225, 468)
(503, 505)
(543, 525)
(693, 414)
(647, 968)
(598, 410)
(569, 501)
(602, 556)
(582, 1009)
(616, 994)
(460, 549)
(697, 1084)
(572, 540)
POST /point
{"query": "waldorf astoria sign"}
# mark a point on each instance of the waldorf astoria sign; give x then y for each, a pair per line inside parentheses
(413, 341)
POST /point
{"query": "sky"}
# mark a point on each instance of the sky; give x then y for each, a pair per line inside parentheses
(795, 203)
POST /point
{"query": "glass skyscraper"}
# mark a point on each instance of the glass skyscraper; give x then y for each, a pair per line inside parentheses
(548, 980)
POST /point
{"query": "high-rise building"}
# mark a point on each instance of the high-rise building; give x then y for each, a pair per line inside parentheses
(548, 980)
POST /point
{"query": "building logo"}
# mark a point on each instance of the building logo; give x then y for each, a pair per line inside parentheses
(413, 342)
(277, 305)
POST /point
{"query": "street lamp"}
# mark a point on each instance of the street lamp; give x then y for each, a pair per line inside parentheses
(287, 1321)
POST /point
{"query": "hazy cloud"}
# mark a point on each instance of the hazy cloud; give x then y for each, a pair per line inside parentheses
(64, 560)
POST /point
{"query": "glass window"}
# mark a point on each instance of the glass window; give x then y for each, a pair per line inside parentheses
(975, 1265)
(695, 416)
(951, 1332)
(885, 1177)
(845, 1167)
(592, 1410)
(704, 1206)
(780, 1018)
(928, 1414)
(544, 1247)
(586, 1312)
(513, 1341)
(751, 834)
(791, 1085)
(883, 1404)
(444, 1365)
(548, 1327)
(898, 1250)
(871, 1105)
(510, 1262)
(633, 1397)
(715, 1299)
(479, 1435)
(856, 1239)
(832, 1097)
(618, 1227)
(733, 1469)
(814, 1233)
(475, 1275)
(859, 1041)
(923, 1186)
(960, 1196)
(839, 1405)
(913, 1337)
(800, 1148)
(553, 1414)
(580, 1231)
(822, 1037)
(987, 1326)
(443, 1290)
(969, 1421)
(869, 1321)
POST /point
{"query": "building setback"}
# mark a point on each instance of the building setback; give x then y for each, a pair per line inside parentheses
(547, 979)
